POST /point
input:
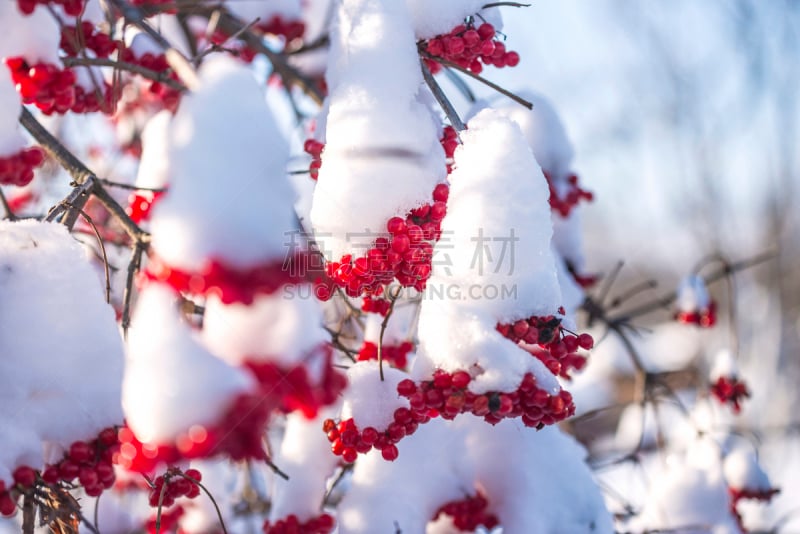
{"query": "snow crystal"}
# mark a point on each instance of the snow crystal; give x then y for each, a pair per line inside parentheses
(48, 348)
(171, 382)
(382, 155)
(233, 204)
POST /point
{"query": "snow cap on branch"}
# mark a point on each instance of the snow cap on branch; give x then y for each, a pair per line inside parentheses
(47, 345)
(382, 155)
(233, 203)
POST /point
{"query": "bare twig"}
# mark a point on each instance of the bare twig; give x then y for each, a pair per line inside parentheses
(444, 102)
(133, 268)
(156, 76)
(211, 498)
(6, 208)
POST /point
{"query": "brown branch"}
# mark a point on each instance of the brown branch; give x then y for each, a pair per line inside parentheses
(156, 76)
(6, 208)
(133, 268)
(441, 98)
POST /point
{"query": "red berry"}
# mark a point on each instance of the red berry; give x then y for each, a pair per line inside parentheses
(25, 476)
(390, 453)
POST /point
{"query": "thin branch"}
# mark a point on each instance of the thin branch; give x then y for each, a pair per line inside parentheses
(393, 298)
(6, 208)
(133, 268)
(211, 498)
(444, 102)
(130, 187)
(505, 4)
(516, 98)
(160, 505)
(156, 76)
(103, 251)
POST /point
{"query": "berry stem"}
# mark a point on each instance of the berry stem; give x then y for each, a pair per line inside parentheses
(210, 497)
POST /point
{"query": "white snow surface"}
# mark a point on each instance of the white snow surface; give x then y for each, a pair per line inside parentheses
(171, 382)
(432, 20)
(743, 471)
(534, 481)
(497, 231)
(452, 338)
(249, 10)
(305, 456)
(153, 169)
(48, 345)
(275, 328)
(35, 37)
(723, 365)
(233, 204)
(382, 155)
(370, 401)
(11, 140)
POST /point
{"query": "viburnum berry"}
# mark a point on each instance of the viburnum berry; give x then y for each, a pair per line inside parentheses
(322, 524)
(469, 513)
(141, 203)
(469, 47)
(17, 169)
(173, 485)
(73, 8)
(730, 390)
(566, 194)
(395, 355)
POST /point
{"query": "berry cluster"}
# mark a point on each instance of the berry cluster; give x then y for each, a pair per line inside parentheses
(174, 484)
(376, 305)
(88, 461)
(347, 440)
(560, 349)
(168, 523)
(165, 95)
(470, 48)
(288, 29)
(238, 435)
(17, 169)
(77, 38)
(449, 142)
(230, 284)
(73, 8)
(53, 90)
(395, 355)
(704, 317)
(314, 148)
(322, 524)
(405, 255)
(293, 389)
(469, 513)
(140, 203)
(447, 396)
(562, 202)
(730, 390)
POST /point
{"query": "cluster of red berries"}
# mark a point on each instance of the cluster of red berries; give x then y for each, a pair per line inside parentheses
(167, 96)
(704, 317)
(174, 484)
(405, 255)
(447, 396)
(730, 390)
(347, 440)
(230, 284)
(73, 8)
(469, 513)
(140, 203)
(375, 305)
(294, 390)
(562, 202)
(558, 349)
(90, 462)
(314, 148)
(53, 90)
(449, 142)
(322, 524)
(17, 169)
(288, 29)
(85, 36)
(395, 355)
(470, 48)
(169, 521)
(238, 435)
